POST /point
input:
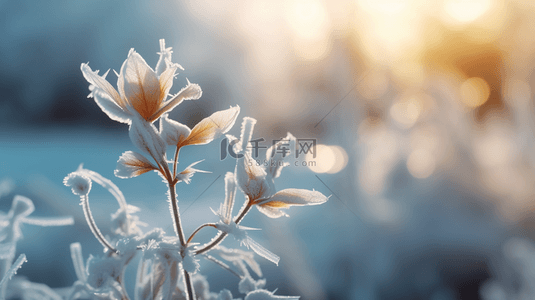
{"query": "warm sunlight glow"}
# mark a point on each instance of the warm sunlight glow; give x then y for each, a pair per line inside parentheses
(474, 92)
(465, 11)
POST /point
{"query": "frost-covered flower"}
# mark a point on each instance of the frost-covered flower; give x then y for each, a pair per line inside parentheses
(227, 225)
(257, 182)
(141, 90)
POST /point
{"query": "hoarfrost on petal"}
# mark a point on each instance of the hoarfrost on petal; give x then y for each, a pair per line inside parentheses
(144, 135)
(132, 164)
(289, 197)
(173, 132)
(212, 127)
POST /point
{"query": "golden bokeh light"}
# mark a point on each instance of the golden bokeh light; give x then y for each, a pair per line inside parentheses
(474, 92)
(329, 159)
(421, 163)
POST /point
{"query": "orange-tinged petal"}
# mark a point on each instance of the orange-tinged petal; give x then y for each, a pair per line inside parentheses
(212, 127)
(289, 197)
(132, 164)
(166, 82)
(140, 85)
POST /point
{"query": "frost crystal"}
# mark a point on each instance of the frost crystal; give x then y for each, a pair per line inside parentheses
(80, 184)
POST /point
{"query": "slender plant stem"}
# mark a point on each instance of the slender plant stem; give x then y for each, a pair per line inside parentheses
(222, 235)
(189, 287)
(93, 225)
(175, 162)
(199, 228)
(179, 232)
(176, 214)
(221, 264)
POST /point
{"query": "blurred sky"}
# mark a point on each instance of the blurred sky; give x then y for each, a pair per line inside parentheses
(422, 111)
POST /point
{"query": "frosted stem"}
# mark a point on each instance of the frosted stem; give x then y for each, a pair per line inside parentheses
(93, 225)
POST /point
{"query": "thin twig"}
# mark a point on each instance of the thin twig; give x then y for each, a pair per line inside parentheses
(198, 229)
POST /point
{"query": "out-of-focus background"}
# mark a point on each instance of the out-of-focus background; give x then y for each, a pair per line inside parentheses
(422, 112)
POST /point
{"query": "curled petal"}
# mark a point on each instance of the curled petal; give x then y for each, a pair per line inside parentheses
(132, 164)
(191, 92)
(173, 132)
(276, 154)
(110, 107)
(252, 179)
(212, 127)
(102, 83)
(144, 135)
(140, 85)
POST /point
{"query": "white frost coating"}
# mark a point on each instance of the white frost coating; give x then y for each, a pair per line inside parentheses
(173, 132)
(132, 164)
(252, 178)
(260, 250)
(144, 135)
(186, 175)
(13, 270)
(224, 294)
(79, 184)
(105, 183)
(189, 262)
(52, 221)
(110, 107)
(267, 295)
(296, 197)
(277, 153)
(78, 261)
(247, 127)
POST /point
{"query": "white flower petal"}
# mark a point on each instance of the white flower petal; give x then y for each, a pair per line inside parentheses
(230, 194)
(144, 135)
(191, 92)
(247, 127)
(212, 127)
(101, 83)
(110, 107)
(132, 164)
(276, 154)
(252, 179)
(289, 197)
(173, 132)
(271, 212)
(140, 85)
(260, 250)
